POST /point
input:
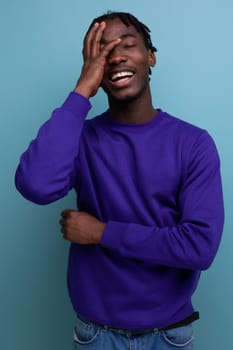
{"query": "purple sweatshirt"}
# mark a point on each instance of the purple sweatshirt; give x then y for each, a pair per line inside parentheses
(157, 186)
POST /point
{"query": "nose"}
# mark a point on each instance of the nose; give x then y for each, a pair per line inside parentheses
(116, 56)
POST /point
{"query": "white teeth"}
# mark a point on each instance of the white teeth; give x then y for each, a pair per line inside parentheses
(121, 75)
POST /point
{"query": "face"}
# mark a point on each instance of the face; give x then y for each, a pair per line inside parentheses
(126, 75)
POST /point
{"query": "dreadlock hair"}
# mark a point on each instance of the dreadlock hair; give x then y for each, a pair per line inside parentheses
(128, 19)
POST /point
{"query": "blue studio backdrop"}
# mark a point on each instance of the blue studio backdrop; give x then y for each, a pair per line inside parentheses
(41, 44)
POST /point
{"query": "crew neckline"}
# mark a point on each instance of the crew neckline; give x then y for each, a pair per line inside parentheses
(107, 117)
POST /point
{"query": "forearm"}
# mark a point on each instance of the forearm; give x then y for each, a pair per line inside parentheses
(187, 246)
(46, 169)
(191, 242)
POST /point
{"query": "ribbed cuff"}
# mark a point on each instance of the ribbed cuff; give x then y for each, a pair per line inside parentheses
(77, 104)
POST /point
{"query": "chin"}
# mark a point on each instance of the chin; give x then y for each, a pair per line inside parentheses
(124, 96)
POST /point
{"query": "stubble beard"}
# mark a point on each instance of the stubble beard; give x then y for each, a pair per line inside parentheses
(127, 98)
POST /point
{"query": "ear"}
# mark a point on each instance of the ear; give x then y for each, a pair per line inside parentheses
(151, 58)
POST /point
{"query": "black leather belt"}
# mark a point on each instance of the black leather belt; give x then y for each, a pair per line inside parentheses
(187, 320)
(193, 317)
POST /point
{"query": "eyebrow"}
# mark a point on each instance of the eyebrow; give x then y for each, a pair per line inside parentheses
(123, 36)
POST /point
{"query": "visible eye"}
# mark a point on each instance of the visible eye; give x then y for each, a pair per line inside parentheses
(128, 43)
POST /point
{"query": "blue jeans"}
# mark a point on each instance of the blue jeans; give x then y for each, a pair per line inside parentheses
(89, 336)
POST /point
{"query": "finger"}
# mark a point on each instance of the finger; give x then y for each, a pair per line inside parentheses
(89, 39)
(66, 213)
(65, 236)
(95, 48)
(109, 47)
(62, 222)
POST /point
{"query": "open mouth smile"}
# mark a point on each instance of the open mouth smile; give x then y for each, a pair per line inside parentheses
(121, 79)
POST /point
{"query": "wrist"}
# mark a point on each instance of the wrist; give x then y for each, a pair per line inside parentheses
(97, 237)
(83, 89)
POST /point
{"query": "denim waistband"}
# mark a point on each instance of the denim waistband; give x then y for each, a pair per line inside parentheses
(193, 317)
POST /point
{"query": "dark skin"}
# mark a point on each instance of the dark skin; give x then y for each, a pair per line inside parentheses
(111, 48)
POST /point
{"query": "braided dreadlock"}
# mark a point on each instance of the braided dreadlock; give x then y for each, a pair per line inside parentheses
(128, 19)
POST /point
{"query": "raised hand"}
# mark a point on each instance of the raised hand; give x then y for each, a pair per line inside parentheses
(94, 55)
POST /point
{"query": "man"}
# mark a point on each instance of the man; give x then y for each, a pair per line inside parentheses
(148, 191)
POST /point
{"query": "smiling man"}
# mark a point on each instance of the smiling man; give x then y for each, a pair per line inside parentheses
(149, 195)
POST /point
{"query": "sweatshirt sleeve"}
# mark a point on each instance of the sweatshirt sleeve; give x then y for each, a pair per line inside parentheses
(194, 241)
(46, 170)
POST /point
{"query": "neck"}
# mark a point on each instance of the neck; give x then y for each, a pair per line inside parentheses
(135, 111)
